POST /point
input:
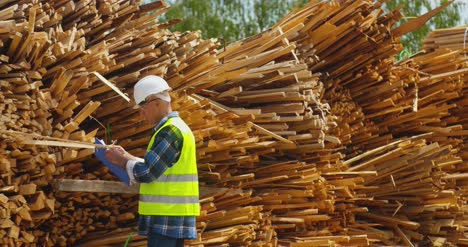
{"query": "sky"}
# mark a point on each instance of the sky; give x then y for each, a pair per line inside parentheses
(464, 19)
(465, 12)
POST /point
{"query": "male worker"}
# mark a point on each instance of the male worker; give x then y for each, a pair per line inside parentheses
(167, 175)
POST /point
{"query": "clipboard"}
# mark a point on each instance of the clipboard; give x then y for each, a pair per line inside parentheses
(118, 171)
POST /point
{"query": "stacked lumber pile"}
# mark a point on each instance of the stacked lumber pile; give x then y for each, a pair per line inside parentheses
(315, 140)
(337, 37)
(230, 218)
(429, 99)
(52, 55)
(376, 79)
(445, 61)
(416, 196)
(454, 38)
(453, 129)
(261, 80)
(383, 99)
(72, 99)
(356, 26)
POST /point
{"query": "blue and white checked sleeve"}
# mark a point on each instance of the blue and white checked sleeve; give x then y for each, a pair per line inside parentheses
(164, 153)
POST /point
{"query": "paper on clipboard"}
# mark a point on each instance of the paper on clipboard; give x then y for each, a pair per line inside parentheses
(118, 171)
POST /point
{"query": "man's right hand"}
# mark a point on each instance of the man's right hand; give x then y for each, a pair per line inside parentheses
(118, 156)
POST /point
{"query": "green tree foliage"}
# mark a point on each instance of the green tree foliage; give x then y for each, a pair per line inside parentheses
(449, 17)
(231, 20)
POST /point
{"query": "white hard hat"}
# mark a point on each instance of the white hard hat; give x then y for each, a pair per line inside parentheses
(147, 86)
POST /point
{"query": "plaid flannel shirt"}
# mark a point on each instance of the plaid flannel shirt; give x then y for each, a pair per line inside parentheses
(164, 154)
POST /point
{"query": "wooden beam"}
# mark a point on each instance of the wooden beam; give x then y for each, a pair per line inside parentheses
(111, 85)
(76, 185)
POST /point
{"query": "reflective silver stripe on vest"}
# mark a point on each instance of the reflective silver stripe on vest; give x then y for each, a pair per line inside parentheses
(178, 178)
(169, 199)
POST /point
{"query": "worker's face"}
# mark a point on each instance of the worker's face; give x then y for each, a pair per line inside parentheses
(151, 110)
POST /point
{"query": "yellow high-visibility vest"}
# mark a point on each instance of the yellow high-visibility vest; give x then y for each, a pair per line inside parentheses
(175, 192)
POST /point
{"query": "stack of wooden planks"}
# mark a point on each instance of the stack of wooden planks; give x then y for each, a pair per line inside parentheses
(52, 55)
(416, 195)
(454, 38)
(73, 99)
(321, 136)
(374, 94)
(267, 85)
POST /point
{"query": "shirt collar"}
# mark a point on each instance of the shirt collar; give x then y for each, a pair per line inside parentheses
(164, 119)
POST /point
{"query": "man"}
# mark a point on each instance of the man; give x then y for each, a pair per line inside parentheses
(168, 178)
